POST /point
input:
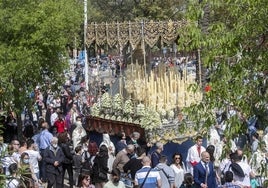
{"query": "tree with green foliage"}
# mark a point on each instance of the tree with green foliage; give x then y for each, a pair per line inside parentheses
(129, 10)
(34, 40)
(234, 53)
(231, 37)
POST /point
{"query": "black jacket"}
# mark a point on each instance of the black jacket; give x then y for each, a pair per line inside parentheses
(100, 165)
(68, 156)
(50, 156)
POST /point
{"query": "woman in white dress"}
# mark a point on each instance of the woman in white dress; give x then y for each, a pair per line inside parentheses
(179, 169)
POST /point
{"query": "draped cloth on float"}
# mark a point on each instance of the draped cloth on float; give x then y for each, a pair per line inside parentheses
(120, 34)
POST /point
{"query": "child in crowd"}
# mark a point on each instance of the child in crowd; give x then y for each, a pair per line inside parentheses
(188, 181)
(77, 162)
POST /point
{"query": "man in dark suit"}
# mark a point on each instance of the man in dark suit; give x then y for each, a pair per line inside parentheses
(204, 175)
(54, 156)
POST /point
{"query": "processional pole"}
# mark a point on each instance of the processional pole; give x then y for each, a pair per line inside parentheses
(85, 45)
(199, 68)
(143, 47)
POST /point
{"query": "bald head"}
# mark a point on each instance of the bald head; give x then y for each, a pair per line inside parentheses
(130, 148)
(146, 161)
(205, 156)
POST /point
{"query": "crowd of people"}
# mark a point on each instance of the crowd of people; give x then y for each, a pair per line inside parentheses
(61, 159)
(56, 150)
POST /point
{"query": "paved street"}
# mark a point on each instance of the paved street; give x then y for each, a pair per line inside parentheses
(107, 78)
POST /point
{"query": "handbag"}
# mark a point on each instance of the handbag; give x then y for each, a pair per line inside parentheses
(101, 175)
(87, 165)
(140, 186)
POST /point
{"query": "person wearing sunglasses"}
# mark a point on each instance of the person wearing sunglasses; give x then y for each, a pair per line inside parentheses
(179, 168)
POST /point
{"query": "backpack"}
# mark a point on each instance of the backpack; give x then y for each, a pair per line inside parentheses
(87, 165)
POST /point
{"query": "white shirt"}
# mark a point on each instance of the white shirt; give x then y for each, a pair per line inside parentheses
(34, 158)
(110, 184)
(12, 183)
(193, 157)
(246, 180)
(6, 161)
(16, 156)
(225, 165)
(179, 174)
(53, 118)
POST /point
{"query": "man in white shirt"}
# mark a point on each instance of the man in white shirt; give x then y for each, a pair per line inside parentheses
(34, 156)
(247, 172)
(194, 154)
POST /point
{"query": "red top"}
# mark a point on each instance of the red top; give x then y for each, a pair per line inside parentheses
(60, 124)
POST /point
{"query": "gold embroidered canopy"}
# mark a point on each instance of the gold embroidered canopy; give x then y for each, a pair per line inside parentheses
(121, 34)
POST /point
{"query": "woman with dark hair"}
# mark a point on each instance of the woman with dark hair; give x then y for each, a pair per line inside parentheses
(188, 181)
(86, 156)
(211, 149)
(84, 181)
(100, 168)
(64, 139)
(179, 169)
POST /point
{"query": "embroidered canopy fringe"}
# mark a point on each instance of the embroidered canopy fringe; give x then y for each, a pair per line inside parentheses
(120, 34)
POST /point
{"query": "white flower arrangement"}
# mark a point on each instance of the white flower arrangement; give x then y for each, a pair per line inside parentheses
(162, 112)
(171, 114)
(140, 109)
(106, 101)
(124, 119)
(95, 110)
(128, 107)
(137, 121)
(119, 118)
(150, 120)
(107, 116)
(130, 120)
(165, 121)
(117, 102)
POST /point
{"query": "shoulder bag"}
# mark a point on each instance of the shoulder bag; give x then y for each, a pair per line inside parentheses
(140, 186)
